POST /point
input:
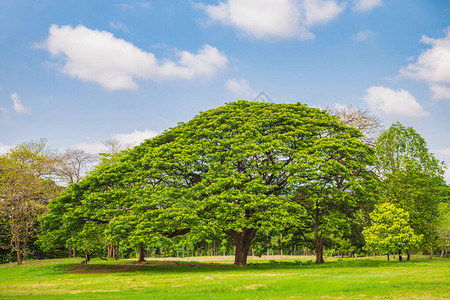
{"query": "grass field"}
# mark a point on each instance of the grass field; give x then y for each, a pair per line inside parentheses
(262, 279)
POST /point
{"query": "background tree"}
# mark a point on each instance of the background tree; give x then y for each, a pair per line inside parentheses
(74, 164)
(443, 227)
(368, 124)
(412, 178)
(78, 218)
(115, 146)
(390, 231)
(25, 188)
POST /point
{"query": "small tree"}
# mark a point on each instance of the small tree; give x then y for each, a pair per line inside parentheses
(390, 231)
(443, 228)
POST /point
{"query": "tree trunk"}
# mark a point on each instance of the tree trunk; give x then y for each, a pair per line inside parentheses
(318, 237)
(243, 241)
(70, 252)
(87, 258)
(431, 253)
(74, 252)
(319, 250)
(400, 258)
(141, 253)
(19, 256)
(408, 257)
(442, 253)
(281, 244)
(388, 257)
(116, 251)
(25, 243)
(89, 255)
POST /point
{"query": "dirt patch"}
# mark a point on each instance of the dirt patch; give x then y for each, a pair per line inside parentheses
(161, 263)
(137, 266)
(103, 268)
(155, 263)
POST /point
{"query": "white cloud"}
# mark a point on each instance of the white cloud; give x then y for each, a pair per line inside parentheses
(440, 92)
(97, 56)
(118, 25)
(363, 35)
(432, 65)
(4, 148)
(135, 138)
(320, 11)
(444, 154)
(366, 5)
(143, 4)
(126, 139)
(274, 19)
(18, 106)
(240, 88)
(391, 102)
(138, 4)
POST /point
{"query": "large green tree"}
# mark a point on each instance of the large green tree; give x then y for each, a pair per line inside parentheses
(412, 178)
(240, 167)
(235, 169)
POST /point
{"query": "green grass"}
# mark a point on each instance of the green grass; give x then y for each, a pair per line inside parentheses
(344, 278)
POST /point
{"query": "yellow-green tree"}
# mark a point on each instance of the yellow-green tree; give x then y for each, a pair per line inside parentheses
(390, 231)
(25, 188)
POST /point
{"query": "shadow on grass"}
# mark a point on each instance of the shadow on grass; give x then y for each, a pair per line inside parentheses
(171, 267)
(176, 266)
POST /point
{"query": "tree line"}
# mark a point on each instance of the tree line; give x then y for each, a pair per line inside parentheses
(241, 179)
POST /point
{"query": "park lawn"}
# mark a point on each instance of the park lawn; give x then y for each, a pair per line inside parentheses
(344, 278)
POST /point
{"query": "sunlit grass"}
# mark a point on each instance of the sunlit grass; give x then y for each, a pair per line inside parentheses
(280, 279)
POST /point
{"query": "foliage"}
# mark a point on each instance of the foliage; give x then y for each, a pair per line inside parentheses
(333, 183)
(25, 188)
(79, 216)
(390, 231)
(229, 170)
(412, 178)
(443, 226)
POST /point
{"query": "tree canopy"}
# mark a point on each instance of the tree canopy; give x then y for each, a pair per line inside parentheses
(390, 231)
(25, 189)
(412, 178)
(235, 169)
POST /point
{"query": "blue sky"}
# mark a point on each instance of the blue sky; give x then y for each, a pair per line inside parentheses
(81, 72)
